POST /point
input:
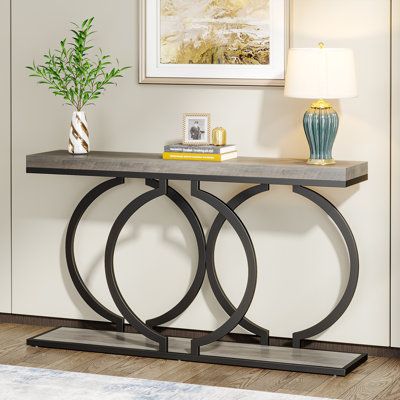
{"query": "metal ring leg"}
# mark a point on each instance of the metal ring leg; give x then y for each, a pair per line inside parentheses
(217, 289)
(116, 294)
(244, 236)
(197, 283)
(77, 280)
(347, 234)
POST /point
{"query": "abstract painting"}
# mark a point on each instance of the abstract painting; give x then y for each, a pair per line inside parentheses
(213, 41)
(215, 32)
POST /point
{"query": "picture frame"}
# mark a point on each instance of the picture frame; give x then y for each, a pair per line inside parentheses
(196, 129)
(153, 70)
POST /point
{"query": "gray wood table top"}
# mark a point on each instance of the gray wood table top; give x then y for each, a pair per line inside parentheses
(241, 170)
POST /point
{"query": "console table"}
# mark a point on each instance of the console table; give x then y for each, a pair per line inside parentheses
(157, 173)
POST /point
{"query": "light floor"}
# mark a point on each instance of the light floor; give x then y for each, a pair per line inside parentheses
(379, 378)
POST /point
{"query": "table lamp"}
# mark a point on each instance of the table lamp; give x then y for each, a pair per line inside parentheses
(321, 74)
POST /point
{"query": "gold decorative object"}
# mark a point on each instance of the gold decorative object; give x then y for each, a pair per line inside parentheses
(219, 136)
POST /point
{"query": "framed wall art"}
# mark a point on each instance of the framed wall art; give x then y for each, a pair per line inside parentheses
(217, 42)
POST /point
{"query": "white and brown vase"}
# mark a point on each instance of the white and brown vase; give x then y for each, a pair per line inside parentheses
(79, 134)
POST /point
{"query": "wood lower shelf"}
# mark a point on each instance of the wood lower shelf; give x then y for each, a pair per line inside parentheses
(228, 353)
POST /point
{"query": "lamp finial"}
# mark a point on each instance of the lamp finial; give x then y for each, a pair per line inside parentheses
(321, 45)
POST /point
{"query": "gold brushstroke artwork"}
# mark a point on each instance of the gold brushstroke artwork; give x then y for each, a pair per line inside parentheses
(215, 32)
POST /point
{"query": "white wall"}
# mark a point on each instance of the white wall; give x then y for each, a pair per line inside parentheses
(5, 211)
(302, 259)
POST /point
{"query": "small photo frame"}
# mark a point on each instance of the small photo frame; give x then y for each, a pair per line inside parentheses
(196, 129)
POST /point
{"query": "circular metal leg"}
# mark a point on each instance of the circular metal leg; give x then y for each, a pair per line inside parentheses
(194, 289)
(244, 236)
(345, 230)
(77, 280)
(116, 294)
(211, 271)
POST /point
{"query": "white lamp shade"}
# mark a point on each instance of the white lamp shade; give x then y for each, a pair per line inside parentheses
(321, 73)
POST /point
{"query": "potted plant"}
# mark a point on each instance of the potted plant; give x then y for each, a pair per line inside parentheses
(72, 73)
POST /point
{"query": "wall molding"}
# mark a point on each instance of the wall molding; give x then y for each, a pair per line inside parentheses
(395, 176)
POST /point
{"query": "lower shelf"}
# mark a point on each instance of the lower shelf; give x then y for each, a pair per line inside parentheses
(228, 353)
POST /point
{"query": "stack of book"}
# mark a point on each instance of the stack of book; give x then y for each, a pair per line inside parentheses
(211, 153)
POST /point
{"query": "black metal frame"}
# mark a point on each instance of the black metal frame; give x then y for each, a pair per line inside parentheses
(239, 313)
(206, 264)
(348, 237)
(76, 278)
(216, 287)
(197, 283)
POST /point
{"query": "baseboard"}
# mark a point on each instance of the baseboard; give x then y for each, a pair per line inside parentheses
(377, 351)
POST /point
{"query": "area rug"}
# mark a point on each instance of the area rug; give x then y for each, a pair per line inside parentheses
(18, 383)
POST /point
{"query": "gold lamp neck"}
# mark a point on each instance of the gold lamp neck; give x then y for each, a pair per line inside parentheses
(321, 104)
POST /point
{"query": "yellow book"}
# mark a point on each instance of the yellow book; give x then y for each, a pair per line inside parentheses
(199, 156)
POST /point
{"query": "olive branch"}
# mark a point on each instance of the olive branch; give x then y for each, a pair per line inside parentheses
(70, 71)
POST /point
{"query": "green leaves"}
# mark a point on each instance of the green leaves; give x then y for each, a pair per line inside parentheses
(71, 73)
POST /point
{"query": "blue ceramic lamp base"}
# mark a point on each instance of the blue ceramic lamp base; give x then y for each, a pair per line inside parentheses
(321, 123)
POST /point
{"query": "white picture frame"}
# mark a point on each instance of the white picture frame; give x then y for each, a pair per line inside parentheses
(196, 129)
(151, 70)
